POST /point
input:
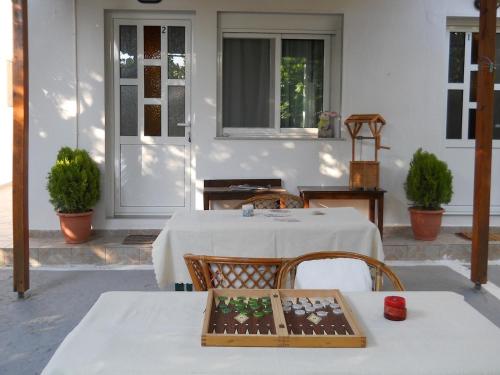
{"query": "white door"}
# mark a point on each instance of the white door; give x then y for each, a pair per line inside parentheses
(152, 116)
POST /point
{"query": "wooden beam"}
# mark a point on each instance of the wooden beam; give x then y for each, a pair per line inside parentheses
(20, 147)
(484, 136)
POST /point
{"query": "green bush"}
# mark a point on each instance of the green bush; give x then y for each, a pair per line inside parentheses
(73, 182)
(429, 182)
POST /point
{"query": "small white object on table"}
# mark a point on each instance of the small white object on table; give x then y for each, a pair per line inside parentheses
(160, 333)
(269, 233)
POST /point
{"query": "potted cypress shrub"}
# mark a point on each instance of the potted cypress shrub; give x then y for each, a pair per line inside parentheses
(73, 186)
(428, 185)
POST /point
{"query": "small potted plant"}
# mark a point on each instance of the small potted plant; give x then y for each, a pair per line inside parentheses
(73, 186)
(428, 185)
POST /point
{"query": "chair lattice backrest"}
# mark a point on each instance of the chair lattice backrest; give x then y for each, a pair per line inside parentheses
(377, 268)
(233, 272)
(273, 201)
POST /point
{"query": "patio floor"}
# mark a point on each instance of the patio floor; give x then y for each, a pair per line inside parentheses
(32, 329)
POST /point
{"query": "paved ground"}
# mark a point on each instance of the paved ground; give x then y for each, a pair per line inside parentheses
(32, 329)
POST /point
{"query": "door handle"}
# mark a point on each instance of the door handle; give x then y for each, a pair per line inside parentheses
(186, 125)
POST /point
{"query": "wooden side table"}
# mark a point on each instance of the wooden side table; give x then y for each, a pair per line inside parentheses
(375, 198)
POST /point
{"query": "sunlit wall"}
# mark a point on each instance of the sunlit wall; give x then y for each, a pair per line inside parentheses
(5, 92)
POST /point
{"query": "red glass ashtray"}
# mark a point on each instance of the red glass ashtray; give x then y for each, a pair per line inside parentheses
(395, 308)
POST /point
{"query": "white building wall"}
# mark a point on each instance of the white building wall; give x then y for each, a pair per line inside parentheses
(394, 62)
(52, 94)
(5, 93)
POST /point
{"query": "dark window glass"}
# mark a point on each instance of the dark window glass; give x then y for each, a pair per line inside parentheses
(152, 42)
(474, 53)
(152, 120)
(474, 47)
(454, 117)
(496, 116)
(456, 58)
(472, 124)
(473, 86)
(246, 82)
(128, 51)
(128, 110)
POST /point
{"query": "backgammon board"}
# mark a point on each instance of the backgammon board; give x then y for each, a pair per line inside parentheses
(280, 318)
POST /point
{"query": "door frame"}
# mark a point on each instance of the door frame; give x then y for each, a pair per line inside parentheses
(111, 161)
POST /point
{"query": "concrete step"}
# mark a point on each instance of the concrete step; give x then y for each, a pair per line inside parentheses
(106, 248)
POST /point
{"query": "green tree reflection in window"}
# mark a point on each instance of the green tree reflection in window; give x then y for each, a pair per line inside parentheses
(301, 82)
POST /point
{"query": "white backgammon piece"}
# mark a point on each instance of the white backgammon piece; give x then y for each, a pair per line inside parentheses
(310, 309)
(296, 306)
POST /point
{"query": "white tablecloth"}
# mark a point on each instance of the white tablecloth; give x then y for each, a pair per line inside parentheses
(160, 333)
(228, 233)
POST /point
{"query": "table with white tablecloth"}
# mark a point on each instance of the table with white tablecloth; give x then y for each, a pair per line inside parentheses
(160, 333)
(269, 233)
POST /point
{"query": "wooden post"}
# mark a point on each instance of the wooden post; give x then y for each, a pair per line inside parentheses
(20, 147)
(484, 135)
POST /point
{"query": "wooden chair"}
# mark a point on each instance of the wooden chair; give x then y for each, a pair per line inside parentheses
(273, 201)
(378, 270)
(209, 272)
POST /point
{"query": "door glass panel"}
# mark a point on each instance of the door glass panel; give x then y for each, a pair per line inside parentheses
(176, 67)
(152, 82)
(152, 120)
(454, 117)
(128, 110)
(176, 52)
(152, 42)
(177, 40)
(456, 58)
(301, 82)
(128, 51)
(176, 110)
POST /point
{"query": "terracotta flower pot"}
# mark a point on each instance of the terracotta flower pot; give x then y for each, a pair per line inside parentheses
(425, 224)
(76, 227)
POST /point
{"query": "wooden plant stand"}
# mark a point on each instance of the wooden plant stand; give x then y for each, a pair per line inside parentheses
(365, 174)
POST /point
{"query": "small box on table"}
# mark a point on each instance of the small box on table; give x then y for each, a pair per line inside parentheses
(364, 175)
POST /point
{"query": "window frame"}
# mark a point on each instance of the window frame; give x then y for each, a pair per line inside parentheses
(464, 142)
(330, 65)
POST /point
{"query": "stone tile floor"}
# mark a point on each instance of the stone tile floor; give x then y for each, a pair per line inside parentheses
(32, 329)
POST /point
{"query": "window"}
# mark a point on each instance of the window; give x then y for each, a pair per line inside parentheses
(276, 73)
(462, 86)
(274, 83)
